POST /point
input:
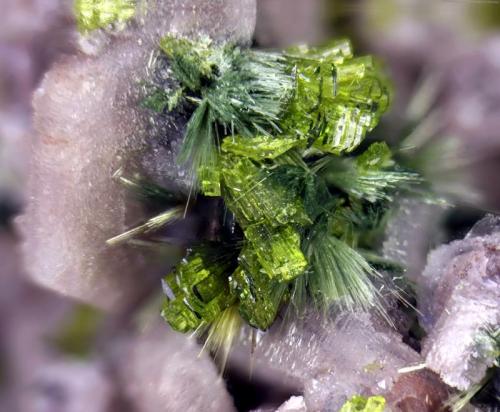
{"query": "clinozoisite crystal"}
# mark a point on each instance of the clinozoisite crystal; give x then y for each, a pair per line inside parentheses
(259, 297)
(338, 98)
(198, 290)
(253, 197)
(277, 250)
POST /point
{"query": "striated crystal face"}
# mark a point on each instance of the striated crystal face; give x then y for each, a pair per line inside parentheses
(259, 297)
(338, 98)
(260, 147)
(277, 250)
(253, 197)
(198, 290)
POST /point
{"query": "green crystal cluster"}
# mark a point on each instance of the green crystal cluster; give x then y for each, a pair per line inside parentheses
(362, 404)
(279, 137)
(198, 290)
(99, 14)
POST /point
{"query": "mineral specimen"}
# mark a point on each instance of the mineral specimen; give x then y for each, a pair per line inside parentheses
(198, 290)
(90, 124)
(332, 361)
(459, 297)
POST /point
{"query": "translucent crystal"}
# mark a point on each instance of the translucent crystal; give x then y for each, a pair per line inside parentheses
(328, 361)
(459, 298)
(377, 156)
(259, 147)
(209, 180)
(259, 297)
(278, 251)
(338, 98)
(253, 197)
(90, 123)
(198, 289)
(362, 404)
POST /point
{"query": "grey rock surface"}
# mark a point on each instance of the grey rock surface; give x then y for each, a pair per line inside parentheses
(459, 296)
(89, 124)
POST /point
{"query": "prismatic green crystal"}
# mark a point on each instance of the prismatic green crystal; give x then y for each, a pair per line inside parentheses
(362, 404)
(260, 147)
(209, 180)
(259, 297)
(268, 134)
(99, 14)
(338, 98)
(253, 197)
(198, 290)
(277, 250)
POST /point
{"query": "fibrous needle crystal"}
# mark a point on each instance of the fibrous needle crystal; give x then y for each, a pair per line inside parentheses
(267, 134)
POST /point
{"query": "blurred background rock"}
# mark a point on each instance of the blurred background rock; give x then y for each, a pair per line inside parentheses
(444, 57)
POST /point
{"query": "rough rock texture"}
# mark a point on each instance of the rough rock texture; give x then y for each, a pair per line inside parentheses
(164, 371)
(68, 386)
(458, 296)
(329, 362)
(89, 124)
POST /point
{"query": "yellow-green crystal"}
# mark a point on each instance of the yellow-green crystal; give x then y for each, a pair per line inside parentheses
(362, 404)
(99, 14)
(278, 251)
(209, 180)
(338, 99)
(253, 197)
(259, 297)
(260, 147)
(198, 289)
